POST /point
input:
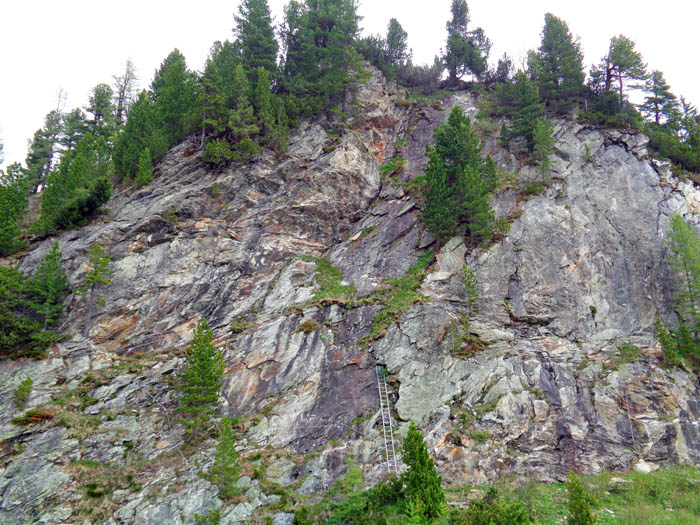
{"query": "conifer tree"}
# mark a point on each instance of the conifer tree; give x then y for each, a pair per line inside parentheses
(457, 144)
(49, 287)
(472, 204)
(200, 382)
(174, 92)
(543, 146)
(465, 51)
(42, 150)
(660, 104)
(140, 131)
(397, 50)
(144, 172)
(683, 241)
(559, 65)
(439, 213)
(226, 58)
(262, 102)
(525, 109)
(242, 121)
(579, 507)
(256, 37)
(124, 86)
(102, 110)
(73, 129)
(13, 201)
(225, 470)
(421, 480)
(98, 274)
(622, 64)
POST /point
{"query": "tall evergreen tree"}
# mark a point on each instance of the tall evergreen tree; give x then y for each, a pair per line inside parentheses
(421, 480)
(397, 50)
(660, 104)
(42, 151)
(256, 37)
(439, 212)
(524, 107)
(174, 91)
(102, 110)
(144, 172)
(200, 382)
(559, 65)
(465, 51)
(263, 105)
(622, 65)
(242, 122)
(13, 201)
(49, 286)
(214, 110)
(225, 56)
(319, 36)
(124, 87)
(74, 129)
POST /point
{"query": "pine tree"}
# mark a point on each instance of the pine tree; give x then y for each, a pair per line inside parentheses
(457, 144)
(465, 51)
(262, 103)
(13, 201)
(559, 66)
(525, 109)
(226, 58)
(200, 382)
(256, 37)
(660, 104)
(74, 129)
(439, 213)
(684, 243)
(421, 480)
(42, 151)
(140, 131)
(622, 64)
(397, 44)
(543, 146)
(47, 289)
(102, 110)
(174, 93)
(124, 86)
(144, 172)
(225, 470)
(242, 121)
(98, 274)
(472, 205)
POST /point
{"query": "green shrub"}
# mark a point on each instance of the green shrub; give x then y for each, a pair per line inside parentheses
(578, 503)
(224, 472)
(421, 481)
(492, 509)
(215, 191)
(22, 392)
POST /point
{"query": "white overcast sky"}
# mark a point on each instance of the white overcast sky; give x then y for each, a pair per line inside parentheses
(75, 44)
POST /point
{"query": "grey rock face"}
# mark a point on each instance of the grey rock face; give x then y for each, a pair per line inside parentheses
(581, 271)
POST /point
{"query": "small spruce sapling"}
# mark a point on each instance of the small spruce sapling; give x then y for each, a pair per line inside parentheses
(98, 274)
(144, 172)
(578, 503)
(543, 147)
(48, 288)
(22, 392)
(224, 472)
(200, 382)
(421, 481)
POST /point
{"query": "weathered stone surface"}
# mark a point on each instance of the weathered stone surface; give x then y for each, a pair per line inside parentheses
(581, 270)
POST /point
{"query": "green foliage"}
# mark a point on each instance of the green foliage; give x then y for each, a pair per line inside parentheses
(579, 503)
(329, 279)
(98, 275)
(255, 37)
(465, 51)
(318, 37)
(399, 296)
(225, 470)
(13, 201)
(558, 67)
(141, 131)
(30, 309)
(421, 481)
(215, 190)
(660, 104)
(543, 147)
(458, 182)
(144, 172)
(213, 517)
(22, 392)
(76, 191)
(393, 166)
(684, 244)
(628, 353)
(200, 382)
(493, 509)
(521, 102)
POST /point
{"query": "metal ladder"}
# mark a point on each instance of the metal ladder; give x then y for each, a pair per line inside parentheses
(387, 427)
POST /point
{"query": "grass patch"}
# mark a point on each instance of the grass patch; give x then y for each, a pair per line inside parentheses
(482, 436)
(400, 294)
(628, 353)
(393, 166)
(365, 232)
(329, 279)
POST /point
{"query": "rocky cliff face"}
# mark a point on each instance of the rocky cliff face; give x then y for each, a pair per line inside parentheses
(580, 273)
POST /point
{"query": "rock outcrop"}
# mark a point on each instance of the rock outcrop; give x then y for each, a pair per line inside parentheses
(580, 274)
